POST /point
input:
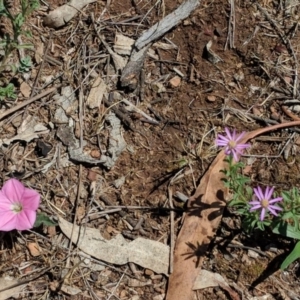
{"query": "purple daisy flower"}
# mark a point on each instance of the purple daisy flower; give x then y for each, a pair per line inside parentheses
(231, 143)
(264, 202)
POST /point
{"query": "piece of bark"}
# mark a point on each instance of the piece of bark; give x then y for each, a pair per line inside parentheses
(131, 73)
(163, 26)
(63, 14)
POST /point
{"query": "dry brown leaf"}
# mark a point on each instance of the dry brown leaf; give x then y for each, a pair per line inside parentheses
(39, 51)
(203, 215)
(33, 249)
(202, 218)
(25, 89)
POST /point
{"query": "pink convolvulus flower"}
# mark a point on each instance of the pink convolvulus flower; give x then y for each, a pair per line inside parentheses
(18, 206)
(231, 143)
(264, 201)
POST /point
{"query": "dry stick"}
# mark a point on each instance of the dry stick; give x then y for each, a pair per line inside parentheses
(123, 214)
(27, 102)
(172, 239)
(163, 26)
(140, 111)
(260, 119)
(25, 281)
(81, 117)
(117, 285)
(231, 27)
(253, 134)
(76, 212)
(41, 66)
(289, 113)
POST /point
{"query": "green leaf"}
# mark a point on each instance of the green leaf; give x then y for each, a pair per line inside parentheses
(44, 219)
(25, 46)
(18, 21)
(285, 229)
(295, 254)
(7, 92)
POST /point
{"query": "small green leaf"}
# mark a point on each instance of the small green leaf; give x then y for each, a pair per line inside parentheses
(43, 219)
(295, 254)
(285, 229)
(24, 46)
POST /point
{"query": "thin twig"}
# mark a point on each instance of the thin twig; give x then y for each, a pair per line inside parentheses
(172, 237)
(76, 213)
(41, 67)
(27, 102)
(231, 27)
(140, 111)
(115, 288)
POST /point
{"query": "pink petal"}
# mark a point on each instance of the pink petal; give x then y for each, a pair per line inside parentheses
(234, 135)
(258, 192)
(7, 220)
(272, 211)
(235, 156)
(255, 207)
(263, 213)
(30, 199)
(13, 189)
(240, 136)
(5, 203)
(219, 142)
(242, 146)
(275, 200)
(254, 202)
(268, 193)
(223, 138)
(25, 220)
(228, 133)
(275, 207)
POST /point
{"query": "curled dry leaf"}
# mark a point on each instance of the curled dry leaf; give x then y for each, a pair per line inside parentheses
(63, 14)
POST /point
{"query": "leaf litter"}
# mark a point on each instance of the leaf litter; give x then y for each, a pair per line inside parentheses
(212, 195)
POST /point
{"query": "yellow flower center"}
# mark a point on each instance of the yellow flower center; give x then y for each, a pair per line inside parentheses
(17, 207)
(232, 144)
(264, 203)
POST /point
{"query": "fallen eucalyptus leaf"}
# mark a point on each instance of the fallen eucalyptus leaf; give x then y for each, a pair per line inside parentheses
(146, 253)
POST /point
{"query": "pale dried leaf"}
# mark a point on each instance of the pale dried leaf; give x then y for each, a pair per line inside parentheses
(123, 44)
(207, 279)
(175, 81)
(264, 297)
(6, 282)
(25, 89)
(63, 14)
(70, 290)
(30, 129)
(146, 253)
(96, 94)
(39, 51)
